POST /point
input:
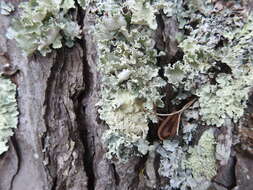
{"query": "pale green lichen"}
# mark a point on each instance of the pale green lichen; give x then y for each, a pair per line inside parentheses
(142, 13)
(217, 65)
(189, 167)
(86, 3)
(43, 25)
(8, 112)
(217, 68)
(126, 111)
(226, 99)
(202, 159)
(123, 146)
(130, 80)
(6, 8)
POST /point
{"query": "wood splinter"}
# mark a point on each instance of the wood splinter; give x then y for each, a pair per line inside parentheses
(170, 126)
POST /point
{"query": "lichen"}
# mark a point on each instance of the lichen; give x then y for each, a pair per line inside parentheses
(8, 112)
(130, 81)
(123, 146)
(6, 8)
(217, 68)
(142, 13)
(43, 25)
(172, 165)
(188, 166)
(216, 65)
(202, 159)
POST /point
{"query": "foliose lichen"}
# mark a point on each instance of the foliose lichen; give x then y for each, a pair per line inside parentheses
(202, 159)
(172, 165)
(217, 64)
(217, 68)
(8, 112)
(130, 81)
(189, 166)
(6, 8)
(43, 25)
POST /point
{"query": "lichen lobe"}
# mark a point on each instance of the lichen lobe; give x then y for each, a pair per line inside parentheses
(8, 112)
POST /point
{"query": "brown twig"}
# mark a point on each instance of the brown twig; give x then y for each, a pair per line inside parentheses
(170, 126)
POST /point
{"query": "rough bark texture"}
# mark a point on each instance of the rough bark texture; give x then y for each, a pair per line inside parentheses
(57, 145)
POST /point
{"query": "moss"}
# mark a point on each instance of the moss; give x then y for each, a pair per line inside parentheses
(8, 112)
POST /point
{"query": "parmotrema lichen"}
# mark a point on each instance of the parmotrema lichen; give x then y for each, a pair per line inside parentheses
(215, 68)
(8, 111)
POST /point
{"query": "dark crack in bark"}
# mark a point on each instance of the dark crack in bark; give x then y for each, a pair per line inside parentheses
(85, 135)
(63, 145)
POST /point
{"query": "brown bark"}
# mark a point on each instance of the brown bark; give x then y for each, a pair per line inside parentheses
(58, 141)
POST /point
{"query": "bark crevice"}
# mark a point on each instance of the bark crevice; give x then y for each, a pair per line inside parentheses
(83, 126)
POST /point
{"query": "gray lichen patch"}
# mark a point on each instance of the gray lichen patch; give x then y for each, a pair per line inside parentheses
(42, 25)
(217, 62)
(6, 8)
(189, 166)
(217, 68)
(8, 112)
(216, 65)
(130, 79)
(202, 160)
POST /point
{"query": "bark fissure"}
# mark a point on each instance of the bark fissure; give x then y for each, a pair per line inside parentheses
(17, 151)
(46, 134)
(62, 139)
(88, 154)
(83, 126)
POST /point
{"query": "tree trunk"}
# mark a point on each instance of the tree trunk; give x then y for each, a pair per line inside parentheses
(57, 145)
(58, 141)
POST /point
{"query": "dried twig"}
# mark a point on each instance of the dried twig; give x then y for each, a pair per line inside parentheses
(170, 126)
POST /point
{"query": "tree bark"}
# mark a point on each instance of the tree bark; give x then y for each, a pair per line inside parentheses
(58, 141)
(57, 145)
